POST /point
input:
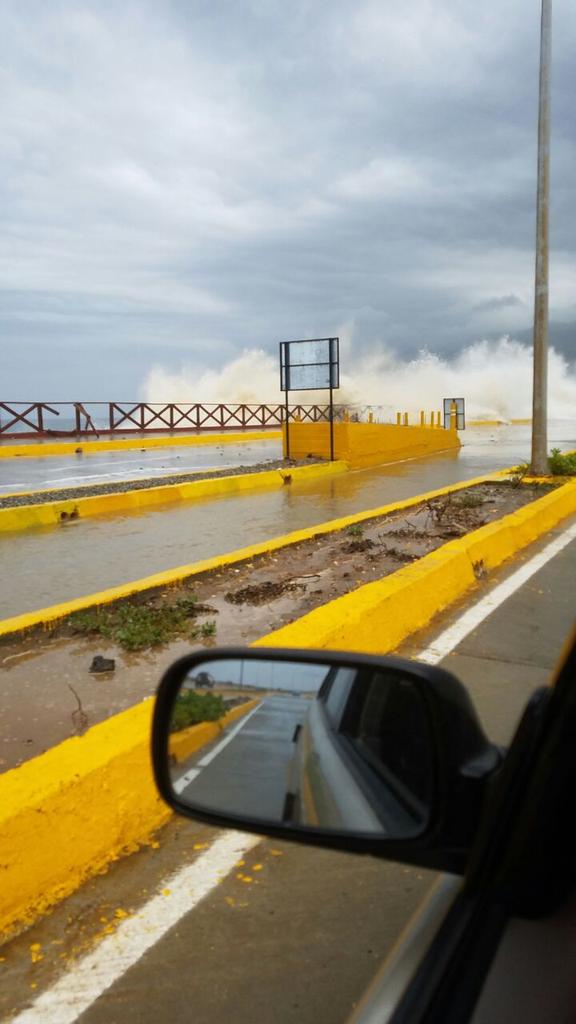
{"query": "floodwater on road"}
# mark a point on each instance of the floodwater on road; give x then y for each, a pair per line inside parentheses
(39, 474)
(81, 557)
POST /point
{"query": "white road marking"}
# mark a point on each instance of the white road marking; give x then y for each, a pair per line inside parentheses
(80, 987)
(224, 742)
(180, 784)
(459, 630)
(85, 982)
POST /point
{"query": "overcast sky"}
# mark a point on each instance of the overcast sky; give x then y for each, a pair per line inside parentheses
(182, 180)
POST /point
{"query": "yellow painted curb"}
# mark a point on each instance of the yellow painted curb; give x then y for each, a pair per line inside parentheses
(48, 448)
(500, 423)
(188, 741)
(377, 617)
(51, 513)
(65, 815)
(172, 577)
(488, 423)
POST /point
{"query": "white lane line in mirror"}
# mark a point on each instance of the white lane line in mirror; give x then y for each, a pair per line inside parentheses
(455, 634)
(227, 739)
(179, 785)
(89, 978)
(185, 780)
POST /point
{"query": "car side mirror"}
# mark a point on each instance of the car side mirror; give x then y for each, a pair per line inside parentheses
(372, 754)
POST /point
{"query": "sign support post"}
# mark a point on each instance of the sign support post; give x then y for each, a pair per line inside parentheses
(286, 416)
(331, 426)
(454, 410)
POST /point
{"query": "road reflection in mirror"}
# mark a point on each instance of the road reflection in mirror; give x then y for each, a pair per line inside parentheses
(324, 746)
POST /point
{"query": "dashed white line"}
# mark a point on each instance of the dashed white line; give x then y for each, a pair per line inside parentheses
(84, 983)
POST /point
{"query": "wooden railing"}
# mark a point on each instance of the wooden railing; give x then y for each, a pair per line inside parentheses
(63, 419)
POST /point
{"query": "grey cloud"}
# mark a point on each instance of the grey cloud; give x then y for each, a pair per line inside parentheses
(182, 180)
(498, 302)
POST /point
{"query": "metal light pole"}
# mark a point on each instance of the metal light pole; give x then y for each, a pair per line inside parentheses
(539, 463)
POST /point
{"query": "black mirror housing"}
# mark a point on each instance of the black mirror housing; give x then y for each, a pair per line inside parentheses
(367, 754)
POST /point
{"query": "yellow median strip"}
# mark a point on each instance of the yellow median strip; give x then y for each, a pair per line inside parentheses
(377, 617)
(49, 448)
(67, 814)
(64, 816)
(170, 577)
(17, 518)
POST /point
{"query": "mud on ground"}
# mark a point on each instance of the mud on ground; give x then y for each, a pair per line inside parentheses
(50, 694)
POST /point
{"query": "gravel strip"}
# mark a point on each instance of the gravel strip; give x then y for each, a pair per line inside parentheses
(86, 491)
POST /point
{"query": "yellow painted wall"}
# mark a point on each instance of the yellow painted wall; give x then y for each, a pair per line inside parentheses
(368, 444)
(65, 815)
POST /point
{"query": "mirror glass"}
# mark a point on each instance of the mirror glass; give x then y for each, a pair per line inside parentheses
(303, 744)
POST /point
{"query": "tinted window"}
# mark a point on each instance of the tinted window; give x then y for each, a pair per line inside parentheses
(388, 725)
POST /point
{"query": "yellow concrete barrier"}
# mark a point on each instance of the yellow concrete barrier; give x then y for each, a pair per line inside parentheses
(188, 741)
(51, 513)
(64, 816)
(45, 617)
(377, 617)
(67, 814)
(499, 423)
(487, 423)
(49, 448)
(369, 444)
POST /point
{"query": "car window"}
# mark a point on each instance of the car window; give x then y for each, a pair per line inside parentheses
(338, 694)
(388, 727)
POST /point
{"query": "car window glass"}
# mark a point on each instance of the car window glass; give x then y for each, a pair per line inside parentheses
(390, 730)
(337, 698)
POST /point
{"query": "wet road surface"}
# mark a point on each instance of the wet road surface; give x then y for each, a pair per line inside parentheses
(291, 934)
(31, 474)
(82, 557)
(250, 774)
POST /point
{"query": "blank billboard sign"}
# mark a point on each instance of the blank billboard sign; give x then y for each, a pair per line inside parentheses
(311, 365)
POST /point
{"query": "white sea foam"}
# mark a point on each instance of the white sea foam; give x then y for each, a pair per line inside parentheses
(495, 378)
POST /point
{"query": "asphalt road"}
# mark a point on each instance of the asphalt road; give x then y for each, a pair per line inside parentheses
(290, 934)
(249, 774)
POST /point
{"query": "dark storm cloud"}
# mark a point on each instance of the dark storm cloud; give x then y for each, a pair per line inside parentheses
(186, 179)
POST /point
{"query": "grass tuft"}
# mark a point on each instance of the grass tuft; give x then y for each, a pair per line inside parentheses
(192, 708)
(561, 465)
(355, 530)
(134, 627)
